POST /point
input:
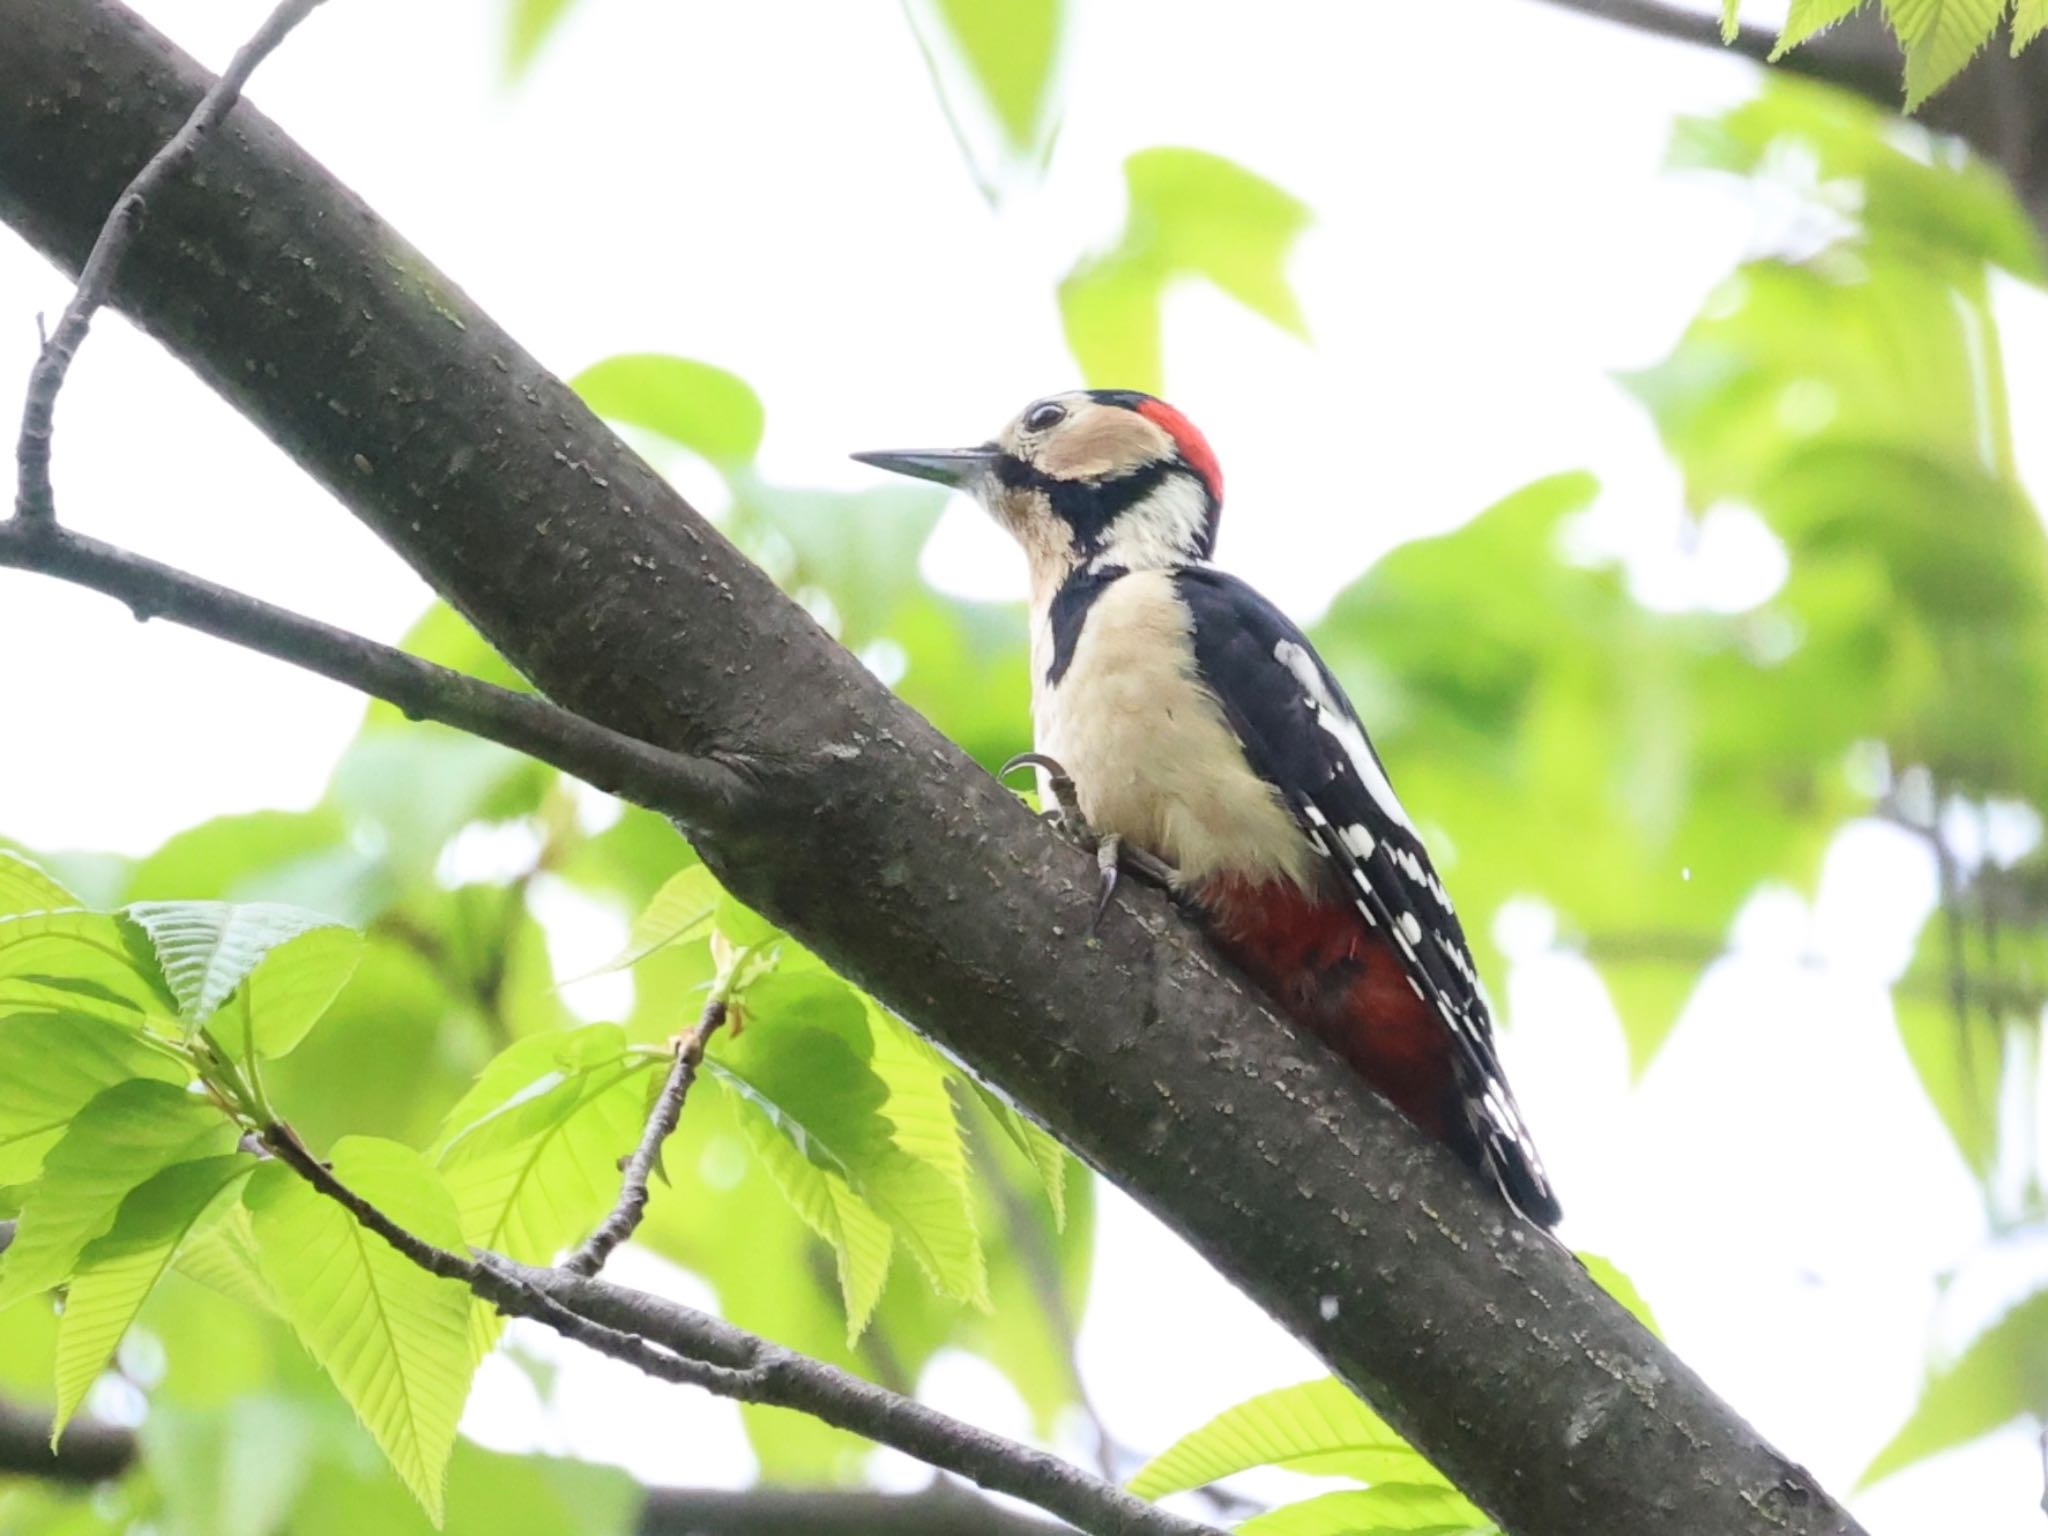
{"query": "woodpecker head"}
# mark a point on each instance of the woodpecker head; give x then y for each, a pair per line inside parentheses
(1096, 477)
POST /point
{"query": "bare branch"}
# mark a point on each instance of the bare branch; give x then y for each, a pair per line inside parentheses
(661, 1123)
(710, 789)
(33, 499)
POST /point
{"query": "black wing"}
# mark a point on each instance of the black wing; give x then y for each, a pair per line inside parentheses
(1303, 736)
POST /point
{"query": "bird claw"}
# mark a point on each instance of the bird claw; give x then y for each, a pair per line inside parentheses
(1113, 856)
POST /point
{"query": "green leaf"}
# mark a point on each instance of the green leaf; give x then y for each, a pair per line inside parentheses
(89, 952)
(220, 1254)
(123, 1138)
(1411, 1509)
(681, 909)
(1319, 1427)
(1731, 20)
(393, 1338)
(710, 411)
(1807, 17)
(208, 948)
(858, 1095)
(2029, 19)
(117, 1271)
(25, 888)
(287, 992)
(528, 24)
(1011, 47)
(51, 1067)
(532, 1154)
(1940, 37)
(862, 1242)
(1048, 1158)
(1192, 214)
(2003, 1374)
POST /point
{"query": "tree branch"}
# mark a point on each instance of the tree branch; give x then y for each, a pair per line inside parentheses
(679, 1344)
(661, 1123)
(90, 1451)
(33, 499)
(93, 1451)
(1998, 105)
(1483, 1343)
(424, 691)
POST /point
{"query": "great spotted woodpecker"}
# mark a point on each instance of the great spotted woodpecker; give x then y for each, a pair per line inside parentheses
(1197, 724)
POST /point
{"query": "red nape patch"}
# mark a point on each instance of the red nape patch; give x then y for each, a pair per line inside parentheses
(1332, 971)
(1192, 445)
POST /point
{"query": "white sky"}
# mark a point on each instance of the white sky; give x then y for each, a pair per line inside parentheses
(771, 187)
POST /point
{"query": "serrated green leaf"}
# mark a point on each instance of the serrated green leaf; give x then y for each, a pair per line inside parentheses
(858, 1096)
(220, 1254)
(124, 1137)
(51, 1067)
(1941, 37)
(2002, 1375)
(1409, 1509)
(861, 1240)
(710, 411)
(682, 909)
(90, 952)
(534, 1171)
(117, 1271)
(1318, 1427)
(1048, 1158)
(25, 888)
(2029, 19)
(1807, 17)
(282, 998)
(528, 25)
(1192, 214)
(208, 948)
(393, 1338)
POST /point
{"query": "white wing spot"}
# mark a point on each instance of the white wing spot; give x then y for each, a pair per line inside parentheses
(1338, 722)
(1411, 927)
(1358, 840)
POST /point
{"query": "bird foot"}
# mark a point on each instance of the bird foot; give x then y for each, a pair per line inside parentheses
(1113, 856)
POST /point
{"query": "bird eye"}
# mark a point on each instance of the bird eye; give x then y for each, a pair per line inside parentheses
(1046, 416)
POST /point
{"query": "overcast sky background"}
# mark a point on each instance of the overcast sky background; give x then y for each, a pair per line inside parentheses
(771, 187)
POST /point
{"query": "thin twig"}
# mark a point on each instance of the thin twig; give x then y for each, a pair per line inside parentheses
(661, 1123)
(33, 499)
(703, 789)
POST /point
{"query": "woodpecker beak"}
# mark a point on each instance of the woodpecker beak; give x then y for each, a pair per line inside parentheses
(948, 466)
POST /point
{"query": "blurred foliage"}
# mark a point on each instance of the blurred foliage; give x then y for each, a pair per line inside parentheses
(1191, 214)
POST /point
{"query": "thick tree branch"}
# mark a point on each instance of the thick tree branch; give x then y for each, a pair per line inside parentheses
(1479, 1339)
(661, 1123)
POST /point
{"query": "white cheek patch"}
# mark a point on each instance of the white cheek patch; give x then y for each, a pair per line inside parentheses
(1165, 529)
(1338, 722)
